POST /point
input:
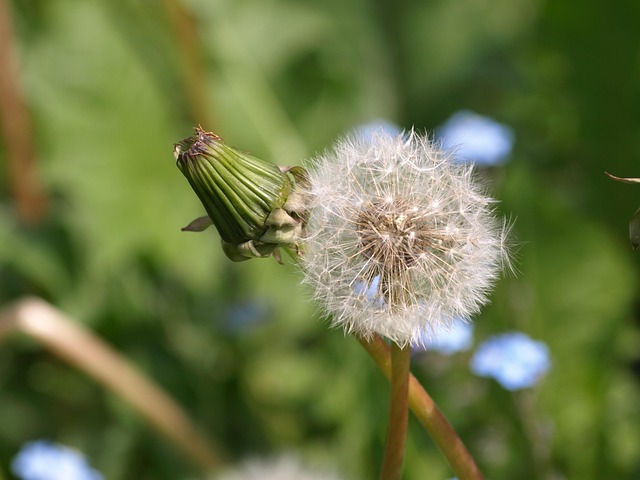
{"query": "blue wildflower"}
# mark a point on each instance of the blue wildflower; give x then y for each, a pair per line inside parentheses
(368, 130)
(513, 359)
(457, 338)
(46, 460)
(371, 290)
(473, 138)
(244, 316)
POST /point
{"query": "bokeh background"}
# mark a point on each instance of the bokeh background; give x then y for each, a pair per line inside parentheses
(94, 227)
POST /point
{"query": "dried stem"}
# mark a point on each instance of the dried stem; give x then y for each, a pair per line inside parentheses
(28, 195)
(84, 350)
(186, 34)
(427, 412)
(398, 414)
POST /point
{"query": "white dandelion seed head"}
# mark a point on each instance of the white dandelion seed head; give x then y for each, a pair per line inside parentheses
(283, 467)
(400, 240)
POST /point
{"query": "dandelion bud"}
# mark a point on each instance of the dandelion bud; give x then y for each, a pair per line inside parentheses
(251, 202)
(400, 240)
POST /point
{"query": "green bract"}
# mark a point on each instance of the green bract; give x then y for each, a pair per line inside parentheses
(252, 203)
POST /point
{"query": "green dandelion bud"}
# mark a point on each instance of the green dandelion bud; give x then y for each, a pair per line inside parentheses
(252, 203)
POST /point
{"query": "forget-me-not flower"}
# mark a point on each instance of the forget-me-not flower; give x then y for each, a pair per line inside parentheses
(513, 359)
(243, 316)
(368, 131)
(46, 460)
(457, 338)
(476, 139)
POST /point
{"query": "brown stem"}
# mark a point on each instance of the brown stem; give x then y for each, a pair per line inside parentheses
(398, 414)
(185, 31)
(28, 195)
(87, 352)
(429, 415)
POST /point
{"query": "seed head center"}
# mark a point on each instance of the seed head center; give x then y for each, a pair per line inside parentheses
(392, 235)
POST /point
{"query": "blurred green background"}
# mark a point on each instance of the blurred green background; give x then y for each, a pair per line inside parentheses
(111, 86)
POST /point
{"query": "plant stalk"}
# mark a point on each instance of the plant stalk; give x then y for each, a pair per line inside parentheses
(27, 192)
(398, 414)
(86, 351)
(428, 414)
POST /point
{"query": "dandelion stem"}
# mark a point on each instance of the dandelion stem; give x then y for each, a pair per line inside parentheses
(398, 413)
(429, 415)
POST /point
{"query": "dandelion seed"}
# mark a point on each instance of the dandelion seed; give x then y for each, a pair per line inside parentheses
(421, 243)
(285, 467)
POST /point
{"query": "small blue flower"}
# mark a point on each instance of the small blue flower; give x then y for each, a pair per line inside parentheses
(46, 460)
(244, 316)
(513, 359)
(370, 290)
(476, 139)
(458, 338)
(367, 130)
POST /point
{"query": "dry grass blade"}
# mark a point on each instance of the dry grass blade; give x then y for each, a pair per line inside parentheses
(622, 179)
(15, 127)
(81, 348)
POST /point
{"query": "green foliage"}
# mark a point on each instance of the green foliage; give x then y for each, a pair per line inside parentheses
(109, 92)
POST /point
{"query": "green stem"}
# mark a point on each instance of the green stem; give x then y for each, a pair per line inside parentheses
(428, 414)
(398, 414)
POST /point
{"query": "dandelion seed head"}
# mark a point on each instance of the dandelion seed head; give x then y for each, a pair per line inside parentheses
(413, 230)
(283, 467)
